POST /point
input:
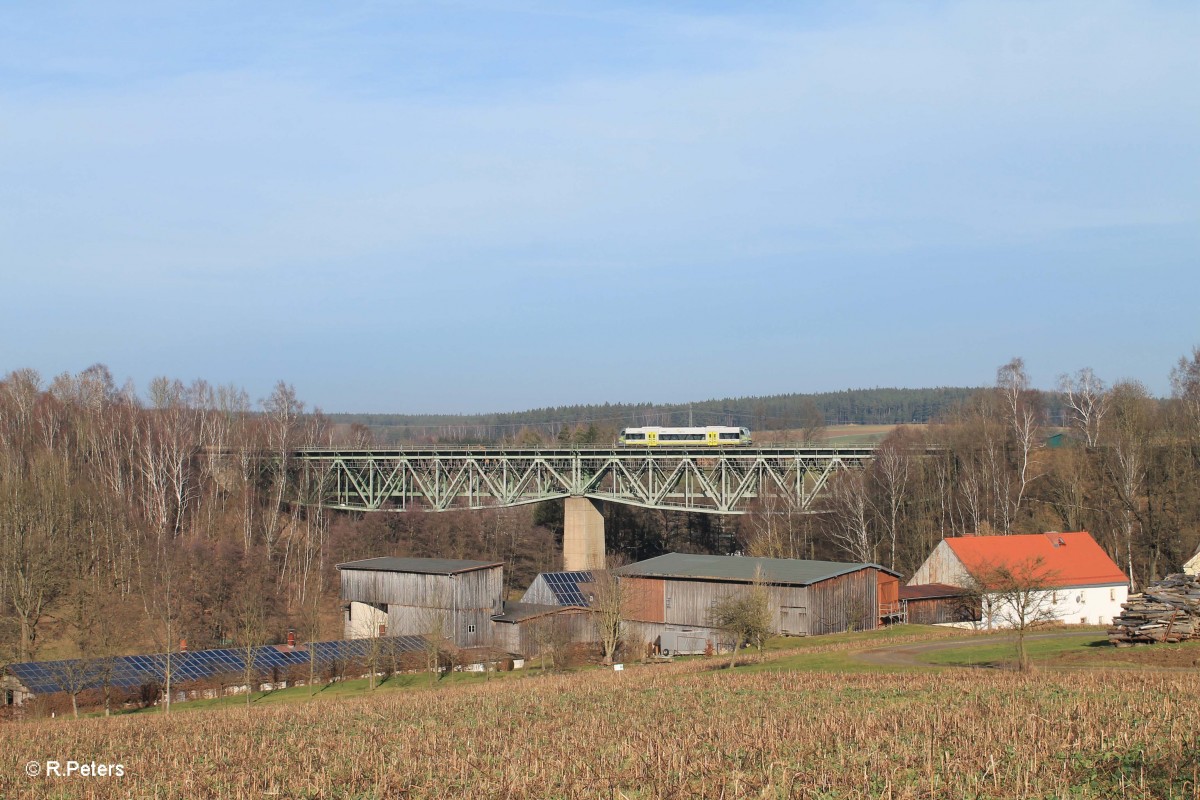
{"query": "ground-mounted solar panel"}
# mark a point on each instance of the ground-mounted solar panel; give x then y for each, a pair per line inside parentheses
(128, 672)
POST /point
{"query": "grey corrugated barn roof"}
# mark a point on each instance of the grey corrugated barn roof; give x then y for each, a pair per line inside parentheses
(427, 566)
(741, 569)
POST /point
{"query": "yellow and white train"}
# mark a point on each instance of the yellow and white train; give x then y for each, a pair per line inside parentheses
(710, 436)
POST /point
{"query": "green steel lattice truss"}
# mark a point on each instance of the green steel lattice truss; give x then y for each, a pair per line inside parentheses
(718, 481)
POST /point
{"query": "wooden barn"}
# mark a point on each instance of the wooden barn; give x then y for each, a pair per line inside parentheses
(669, 599)
(531, 628)
(414, 596)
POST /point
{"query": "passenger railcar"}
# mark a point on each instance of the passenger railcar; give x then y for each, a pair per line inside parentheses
(710, 436)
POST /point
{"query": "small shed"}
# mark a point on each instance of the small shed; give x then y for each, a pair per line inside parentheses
(938, 604)
(532, 628)
(414, 596)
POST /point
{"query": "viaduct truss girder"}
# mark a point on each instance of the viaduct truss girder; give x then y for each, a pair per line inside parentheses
(716, 481)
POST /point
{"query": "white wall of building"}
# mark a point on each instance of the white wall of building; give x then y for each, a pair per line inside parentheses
(1077, 605)
(363, 620)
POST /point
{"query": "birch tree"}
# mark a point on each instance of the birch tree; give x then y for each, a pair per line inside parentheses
(892, 469)
(1087, 403)
(1128, 459)
(851, 512)
(1023, 421)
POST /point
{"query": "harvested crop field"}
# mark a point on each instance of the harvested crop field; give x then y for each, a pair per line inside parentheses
(680, 730)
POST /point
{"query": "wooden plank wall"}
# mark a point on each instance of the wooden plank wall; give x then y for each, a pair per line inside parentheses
(414, 621)
(644, 599)
(942, 610)
(837, 604)
(942, 566)
(539, 592)
(477, 589)
(690, 602)
(887, 589)
(829, 606)
(480, 589)
(569, 626)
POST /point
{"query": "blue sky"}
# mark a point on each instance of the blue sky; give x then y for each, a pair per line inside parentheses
(494, 206)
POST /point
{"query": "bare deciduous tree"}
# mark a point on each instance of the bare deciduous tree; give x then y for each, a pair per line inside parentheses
(1129, 431)
(892, 470)
(609, 607)
(851, 506)
(745, 615)
(1023, 419)
(1087, 402)
(1018, 595)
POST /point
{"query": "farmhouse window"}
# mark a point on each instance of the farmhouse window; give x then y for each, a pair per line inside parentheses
(1112, 594)
(470, 629)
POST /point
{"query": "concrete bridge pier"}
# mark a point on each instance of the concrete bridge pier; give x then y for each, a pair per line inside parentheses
(583, 535)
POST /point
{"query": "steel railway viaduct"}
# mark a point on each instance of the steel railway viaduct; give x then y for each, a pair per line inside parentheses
(723, 480)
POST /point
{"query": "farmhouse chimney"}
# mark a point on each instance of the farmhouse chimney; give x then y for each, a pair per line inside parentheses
(183, 645)
(291, 639)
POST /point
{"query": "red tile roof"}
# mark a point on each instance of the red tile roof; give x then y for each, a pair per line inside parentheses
(1067, 559)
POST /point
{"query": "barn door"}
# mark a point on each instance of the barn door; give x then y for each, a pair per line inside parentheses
(793, 620)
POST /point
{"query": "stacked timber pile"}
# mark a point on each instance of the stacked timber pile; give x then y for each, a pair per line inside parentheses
(1168, 611)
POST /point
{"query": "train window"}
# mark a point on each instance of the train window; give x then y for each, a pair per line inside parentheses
(727, 435)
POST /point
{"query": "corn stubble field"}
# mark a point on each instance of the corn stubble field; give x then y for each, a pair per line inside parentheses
(682, 730)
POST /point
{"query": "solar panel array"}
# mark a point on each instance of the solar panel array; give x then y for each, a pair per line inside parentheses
(128, 672)
(565, 587)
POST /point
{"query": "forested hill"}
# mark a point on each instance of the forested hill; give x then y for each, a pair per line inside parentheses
(777, 412)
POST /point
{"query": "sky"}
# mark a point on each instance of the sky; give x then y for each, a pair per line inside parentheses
(472, 207)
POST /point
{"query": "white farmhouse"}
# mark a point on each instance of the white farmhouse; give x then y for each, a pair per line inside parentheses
(1076, 581)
